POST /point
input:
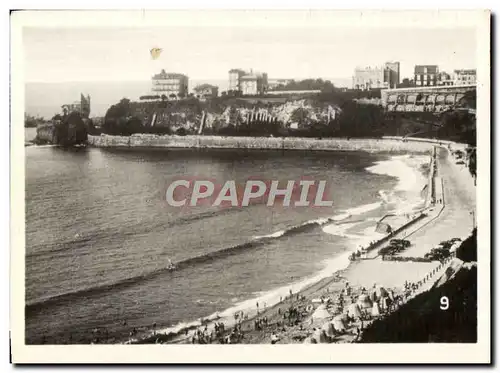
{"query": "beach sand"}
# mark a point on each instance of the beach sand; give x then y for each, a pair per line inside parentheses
(444, 222)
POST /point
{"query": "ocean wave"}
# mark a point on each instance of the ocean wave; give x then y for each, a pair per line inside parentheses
(67, 247)
(330, 266)
(183, 264)
(269, 298)
(405, 168)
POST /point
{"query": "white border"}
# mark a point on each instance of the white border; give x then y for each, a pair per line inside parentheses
(336, 353)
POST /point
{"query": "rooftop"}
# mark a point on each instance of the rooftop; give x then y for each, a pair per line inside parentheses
(466, 71)
(432, 69)
(205, 86)
(165, 75)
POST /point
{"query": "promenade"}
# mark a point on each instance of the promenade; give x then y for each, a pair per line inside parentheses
(453, 219)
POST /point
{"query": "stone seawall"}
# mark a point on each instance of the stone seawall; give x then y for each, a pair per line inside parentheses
(221, 142)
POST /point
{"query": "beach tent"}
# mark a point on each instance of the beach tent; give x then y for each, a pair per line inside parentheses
(364, 302)
(339, 323)
(373, 295)
(391, 295)
(328, 329)
(375, 309)
(354, 310)
(321, 313)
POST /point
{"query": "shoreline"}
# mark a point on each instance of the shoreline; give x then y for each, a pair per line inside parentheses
(326, 286)
(175, 333)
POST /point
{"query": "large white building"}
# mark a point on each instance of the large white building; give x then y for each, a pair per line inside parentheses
(248, 83)
(170, 83)
(464, 77)
(235, 79)
(385, 76)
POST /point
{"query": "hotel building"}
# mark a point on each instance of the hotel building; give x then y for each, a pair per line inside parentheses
(170, 83)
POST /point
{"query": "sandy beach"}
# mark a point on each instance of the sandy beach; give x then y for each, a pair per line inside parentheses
(292, 320)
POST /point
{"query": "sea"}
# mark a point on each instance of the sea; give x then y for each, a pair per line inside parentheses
(100, 236)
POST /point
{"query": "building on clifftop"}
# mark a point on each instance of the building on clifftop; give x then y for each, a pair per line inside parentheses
(205, 91)
(170, 84)
(82, 107)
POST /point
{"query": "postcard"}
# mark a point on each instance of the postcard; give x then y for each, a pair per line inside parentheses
(250, 186)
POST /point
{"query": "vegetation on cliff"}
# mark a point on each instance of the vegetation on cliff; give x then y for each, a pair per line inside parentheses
(31, 121)
(307, 116)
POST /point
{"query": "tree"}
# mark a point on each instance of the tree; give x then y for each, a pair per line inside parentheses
(164, 97)
(172, 95)
(181, 132)
(181, 95)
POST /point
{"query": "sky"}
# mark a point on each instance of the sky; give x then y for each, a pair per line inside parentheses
(109, 63)
(65, 54)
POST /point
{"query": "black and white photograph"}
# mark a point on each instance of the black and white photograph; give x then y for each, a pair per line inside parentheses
(317, 181)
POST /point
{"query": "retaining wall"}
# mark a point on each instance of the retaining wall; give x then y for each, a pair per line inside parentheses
(223, 142)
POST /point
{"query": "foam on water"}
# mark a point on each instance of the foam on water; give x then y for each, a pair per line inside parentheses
(406, 196)
(404, 168)
(364, 208)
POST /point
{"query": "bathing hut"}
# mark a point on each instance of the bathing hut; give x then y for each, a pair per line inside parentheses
(384, 303)
(354, 311)
(375, 310)
(321, 313)
(339, 324)
(364, 302)
(328, 329)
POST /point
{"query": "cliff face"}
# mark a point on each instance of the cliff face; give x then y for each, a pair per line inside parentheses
(198, 117)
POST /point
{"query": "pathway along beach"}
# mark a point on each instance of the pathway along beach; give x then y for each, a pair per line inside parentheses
(454, 219)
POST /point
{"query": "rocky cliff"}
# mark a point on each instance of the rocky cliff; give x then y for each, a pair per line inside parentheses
(197, 117)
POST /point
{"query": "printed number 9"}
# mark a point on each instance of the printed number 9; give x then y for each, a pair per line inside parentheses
(445, 303)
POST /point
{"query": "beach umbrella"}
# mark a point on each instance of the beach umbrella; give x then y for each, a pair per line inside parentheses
(375, 309)
(381, 292)
(321, 313)
(328, 329)
(364, 301)
(339, 324)
(354, 310)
